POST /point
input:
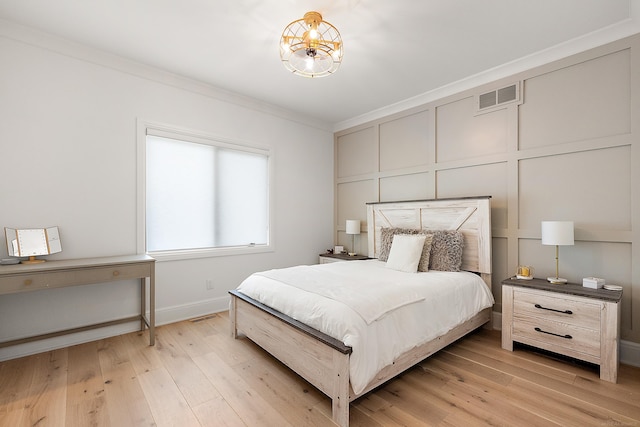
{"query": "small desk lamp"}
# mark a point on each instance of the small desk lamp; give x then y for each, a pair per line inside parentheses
(559, 233)
(353, 228)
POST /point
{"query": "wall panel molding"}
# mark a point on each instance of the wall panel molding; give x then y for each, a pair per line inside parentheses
(571, 151)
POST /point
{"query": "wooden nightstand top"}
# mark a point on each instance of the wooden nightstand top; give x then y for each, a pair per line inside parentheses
(567, 288)
(345, 257)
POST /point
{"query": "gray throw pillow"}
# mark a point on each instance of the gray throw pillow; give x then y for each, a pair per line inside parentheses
(446, 250)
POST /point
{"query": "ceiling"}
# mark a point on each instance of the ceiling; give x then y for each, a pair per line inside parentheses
(394, 50)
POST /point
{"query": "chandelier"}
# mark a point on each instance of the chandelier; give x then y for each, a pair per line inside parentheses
(311, 47)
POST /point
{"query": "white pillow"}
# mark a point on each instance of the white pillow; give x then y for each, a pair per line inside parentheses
(405, 252)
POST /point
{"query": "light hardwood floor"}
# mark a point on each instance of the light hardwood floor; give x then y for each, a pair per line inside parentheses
(197, 375)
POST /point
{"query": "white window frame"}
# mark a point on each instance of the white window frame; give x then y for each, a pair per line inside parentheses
(144, 128)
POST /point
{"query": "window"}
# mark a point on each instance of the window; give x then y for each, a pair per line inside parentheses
(204, 196)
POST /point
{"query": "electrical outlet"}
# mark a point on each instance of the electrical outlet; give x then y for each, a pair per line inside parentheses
(209, 284)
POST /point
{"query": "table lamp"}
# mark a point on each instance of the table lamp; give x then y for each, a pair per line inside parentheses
(353, 228)
(558, 233)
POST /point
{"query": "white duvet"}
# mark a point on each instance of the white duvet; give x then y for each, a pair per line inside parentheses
(402, 310)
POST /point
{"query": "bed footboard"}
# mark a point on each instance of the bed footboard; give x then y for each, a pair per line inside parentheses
(318, 358)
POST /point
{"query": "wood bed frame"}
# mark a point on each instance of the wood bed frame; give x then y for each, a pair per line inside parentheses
(323, 360)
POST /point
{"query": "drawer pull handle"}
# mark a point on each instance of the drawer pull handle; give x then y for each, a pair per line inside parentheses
(28, 282)
(553, 309)
(116, 273)
(551, 333)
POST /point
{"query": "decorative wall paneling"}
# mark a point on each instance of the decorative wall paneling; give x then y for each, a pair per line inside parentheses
(570, 150)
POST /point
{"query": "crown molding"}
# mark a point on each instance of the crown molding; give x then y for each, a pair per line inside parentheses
(612, 33)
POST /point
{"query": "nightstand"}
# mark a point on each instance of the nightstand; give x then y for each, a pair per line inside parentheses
(568, 319)
(327, 258)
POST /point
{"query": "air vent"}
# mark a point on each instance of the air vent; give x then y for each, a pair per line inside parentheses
(495, 99)
(487, 100)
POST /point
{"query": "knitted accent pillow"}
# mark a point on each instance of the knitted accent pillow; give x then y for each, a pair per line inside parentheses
(446, 250)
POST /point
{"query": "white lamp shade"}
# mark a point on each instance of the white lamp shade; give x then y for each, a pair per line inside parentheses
(557, 233)
(353, 226)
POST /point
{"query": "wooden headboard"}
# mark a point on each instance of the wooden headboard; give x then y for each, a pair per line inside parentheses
(471, 215)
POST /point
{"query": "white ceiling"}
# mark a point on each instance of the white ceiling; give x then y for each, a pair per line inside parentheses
(395, 50)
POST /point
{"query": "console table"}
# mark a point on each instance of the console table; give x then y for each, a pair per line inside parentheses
(59, 274)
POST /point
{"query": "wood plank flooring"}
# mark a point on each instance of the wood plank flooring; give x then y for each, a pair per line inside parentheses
(197, 375)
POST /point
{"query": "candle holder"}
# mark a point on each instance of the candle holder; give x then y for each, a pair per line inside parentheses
(525, 272)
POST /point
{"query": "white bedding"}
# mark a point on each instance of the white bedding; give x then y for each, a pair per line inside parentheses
(371, 296)
(438, 301)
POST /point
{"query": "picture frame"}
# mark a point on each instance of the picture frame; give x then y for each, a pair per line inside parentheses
(338, 249)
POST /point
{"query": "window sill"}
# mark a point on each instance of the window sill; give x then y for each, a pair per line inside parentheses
(209, 253)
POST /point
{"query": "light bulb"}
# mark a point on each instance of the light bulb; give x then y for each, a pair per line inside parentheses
(285, 43)
(309, 62)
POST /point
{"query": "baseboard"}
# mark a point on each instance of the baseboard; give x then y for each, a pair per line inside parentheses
(178, 313)
(163, 316)
(497, 321)
(629, 351)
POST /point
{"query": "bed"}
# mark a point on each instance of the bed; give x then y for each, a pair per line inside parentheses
(329, 363)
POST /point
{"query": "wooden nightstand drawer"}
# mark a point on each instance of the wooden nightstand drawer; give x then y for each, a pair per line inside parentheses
(558, 337)
(562, 308)
(327, 260)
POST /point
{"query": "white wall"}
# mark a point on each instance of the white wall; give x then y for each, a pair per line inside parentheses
(68, 155)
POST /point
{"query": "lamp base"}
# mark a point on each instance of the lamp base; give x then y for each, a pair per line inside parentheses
(352, 254)
(557, 280)
(32, 260)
